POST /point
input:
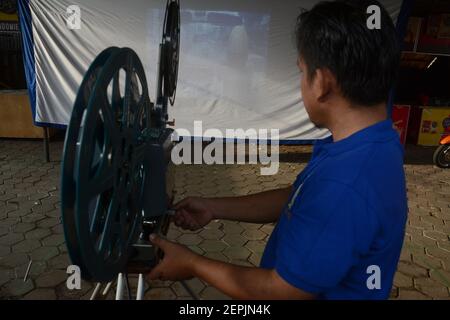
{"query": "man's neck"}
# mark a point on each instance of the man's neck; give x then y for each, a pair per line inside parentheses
(350, 120)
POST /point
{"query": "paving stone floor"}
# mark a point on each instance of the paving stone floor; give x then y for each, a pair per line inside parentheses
(30, 224)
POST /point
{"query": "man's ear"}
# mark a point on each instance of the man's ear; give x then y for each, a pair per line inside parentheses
(323, 84)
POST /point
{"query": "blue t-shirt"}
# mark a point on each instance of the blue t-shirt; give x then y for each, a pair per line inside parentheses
(348, 216)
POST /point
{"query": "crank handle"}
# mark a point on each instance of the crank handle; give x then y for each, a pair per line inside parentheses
(171, 123)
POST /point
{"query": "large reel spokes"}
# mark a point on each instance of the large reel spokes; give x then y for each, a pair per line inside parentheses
(69, 177)
(170, 50)
(109, 168)
(109, 149)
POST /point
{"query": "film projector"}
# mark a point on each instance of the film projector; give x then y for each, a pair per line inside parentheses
(116, 171)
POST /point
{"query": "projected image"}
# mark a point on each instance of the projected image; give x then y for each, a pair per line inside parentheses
(233, 38)
(223, 52)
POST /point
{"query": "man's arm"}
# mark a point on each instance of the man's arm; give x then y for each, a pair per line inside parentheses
(264, 207)
(246, 282)
(235, 281)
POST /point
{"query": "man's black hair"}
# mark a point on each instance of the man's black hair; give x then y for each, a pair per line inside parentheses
(365, 62)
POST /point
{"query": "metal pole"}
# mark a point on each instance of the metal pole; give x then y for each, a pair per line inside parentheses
(140, 288)
(158, 78)
(46, 145)
(25, 277)
(190, 291)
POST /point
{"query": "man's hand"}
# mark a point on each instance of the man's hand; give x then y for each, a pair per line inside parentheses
(180, 263)
(193, 213)
(177, 263)
(265, 207)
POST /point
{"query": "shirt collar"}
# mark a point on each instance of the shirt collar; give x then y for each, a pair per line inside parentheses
(379, 132)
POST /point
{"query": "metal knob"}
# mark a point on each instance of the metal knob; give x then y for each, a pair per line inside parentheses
(171, 123)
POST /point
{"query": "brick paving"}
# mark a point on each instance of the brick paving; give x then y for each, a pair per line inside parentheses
(30, 225)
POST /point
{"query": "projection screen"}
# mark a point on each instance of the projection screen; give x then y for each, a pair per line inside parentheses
(237, 61)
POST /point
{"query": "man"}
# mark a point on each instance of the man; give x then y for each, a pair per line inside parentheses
(340, 226)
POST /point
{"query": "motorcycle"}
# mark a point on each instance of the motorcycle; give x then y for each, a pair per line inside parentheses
(441, 156)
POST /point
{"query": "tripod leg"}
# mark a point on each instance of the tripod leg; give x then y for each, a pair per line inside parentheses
(106, 290)
(140, 288)
(120, 285)
(96, 291)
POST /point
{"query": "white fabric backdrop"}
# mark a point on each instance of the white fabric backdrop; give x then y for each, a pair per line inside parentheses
(237, 64)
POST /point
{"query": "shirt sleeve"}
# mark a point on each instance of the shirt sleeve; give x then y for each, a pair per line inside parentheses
(324, 232)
